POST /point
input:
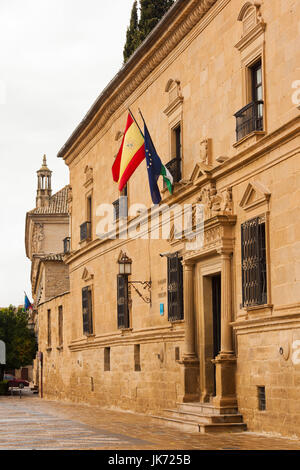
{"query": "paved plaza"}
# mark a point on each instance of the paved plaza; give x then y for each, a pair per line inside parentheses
(32, 423)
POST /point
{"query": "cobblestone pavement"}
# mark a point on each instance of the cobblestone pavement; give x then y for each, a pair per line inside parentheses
(32, 423)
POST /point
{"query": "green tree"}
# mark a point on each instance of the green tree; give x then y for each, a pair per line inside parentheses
(151, 13)
(132, 35)
(21, 345)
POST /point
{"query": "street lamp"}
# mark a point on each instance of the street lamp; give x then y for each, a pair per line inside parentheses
(125, 264)
(125, 269)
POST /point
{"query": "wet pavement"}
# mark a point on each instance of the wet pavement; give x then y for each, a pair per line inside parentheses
(29, 423)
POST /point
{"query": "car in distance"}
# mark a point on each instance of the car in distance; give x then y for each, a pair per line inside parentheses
(14, 382)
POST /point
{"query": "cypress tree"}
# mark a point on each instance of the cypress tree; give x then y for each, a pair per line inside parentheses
(132, 35)
(151, 13)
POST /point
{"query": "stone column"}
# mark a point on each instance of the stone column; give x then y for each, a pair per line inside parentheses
(226, 362)
(189, 317)
(189, 360)
(226, 305)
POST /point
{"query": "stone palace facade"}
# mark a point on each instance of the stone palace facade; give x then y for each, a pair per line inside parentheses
(207, 338)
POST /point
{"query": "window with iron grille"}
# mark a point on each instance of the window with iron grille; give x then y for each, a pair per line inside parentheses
(174, 165)
(106, 359)
(49, 339)
(175, 288)
(137, 357)
(250, 118)
(254, 263)
(121, 205)
(122, 301)
(85, 231)
(60, 326)
(261, 394)
(87, 311)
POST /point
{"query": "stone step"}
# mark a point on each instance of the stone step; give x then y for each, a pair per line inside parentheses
(193, 427)
(205, 419)
(206, 409)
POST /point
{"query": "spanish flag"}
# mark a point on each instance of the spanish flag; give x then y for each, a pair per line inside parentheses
(131, 153)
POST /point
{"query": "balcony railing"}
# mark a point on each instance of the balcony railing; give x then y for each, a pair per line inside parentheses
(67, 245)
(85, 231)
(120, 208)
(174, 167)
(249, 119)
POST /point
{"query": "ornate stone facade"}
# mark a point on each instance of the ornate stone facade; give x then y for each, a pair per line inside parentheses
(225, 352)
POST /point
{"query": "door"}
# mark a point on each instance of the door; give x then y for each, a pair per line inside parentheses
(216, 304)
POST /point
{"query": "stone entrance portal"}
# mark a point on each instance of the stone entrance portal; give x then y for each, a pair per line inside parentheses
(209, 360)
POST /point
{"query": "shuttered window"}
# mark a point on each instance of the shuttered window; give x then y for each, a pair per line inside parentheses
(87, 311)
(175, 288)
(122, 301)
(254, 265)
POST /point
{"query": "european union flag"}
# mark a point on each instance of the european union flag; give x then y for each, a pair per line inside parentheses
(154, 167)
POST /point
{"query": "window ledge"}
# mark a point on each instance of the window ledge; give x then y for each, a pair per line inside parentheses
(86, 241)
(90, 336)
(176, 322)
(251, 138)
(266, 308)
(49, 349)
(125, 331)
(60, 348)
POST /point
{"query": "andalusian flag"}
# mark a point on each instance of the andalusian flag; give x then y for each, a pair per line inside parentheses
(131, 153)
(156, 169)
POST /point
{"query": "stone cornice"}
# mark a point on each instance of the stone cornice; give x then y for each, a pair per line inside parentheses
(279, 322)
(148, 335)
(176, 24)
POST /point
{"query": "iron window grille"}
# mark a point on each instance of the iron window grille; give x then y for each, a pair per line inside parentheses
(254, 263)
(175, 288)
(122, 301)
(261, 393)
(85, 231)
(87, 311)
(120, 208)
(249, 119)
(67, 245)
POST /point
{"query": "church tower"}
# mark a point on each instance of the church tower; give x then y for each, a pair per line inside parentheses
(44, 191)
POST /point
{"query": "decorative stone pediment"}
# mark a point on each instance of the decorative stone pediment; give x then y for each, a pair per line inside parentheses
(256, 194)
(253, 23)
(87, 275)
(88, 175)
(173, 88)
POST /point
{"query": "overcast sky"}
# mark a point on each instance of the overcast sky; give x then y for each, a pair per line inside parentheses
(56, 56)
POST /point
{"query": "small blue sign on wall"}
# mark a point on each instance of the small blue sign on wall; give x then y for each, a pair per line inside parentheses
(162, 309)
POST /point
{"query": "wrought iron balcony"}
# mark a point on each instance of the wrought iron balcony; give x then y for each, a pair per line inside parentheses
(174, 167)
(249, 119)
(67, 245)
(85, 231)
(120, 208)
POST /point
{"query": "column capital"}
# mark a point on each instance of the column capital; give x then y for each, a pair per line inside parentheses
(188, 265)
(225, 253)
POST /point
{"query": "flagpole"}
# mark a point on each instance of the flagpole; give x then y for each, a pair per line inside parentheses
(129, 110)
(145, 125)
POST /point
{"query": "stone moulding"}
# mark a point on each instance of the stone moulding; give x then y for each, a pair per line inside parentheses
(167, 334)
(124, 84)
